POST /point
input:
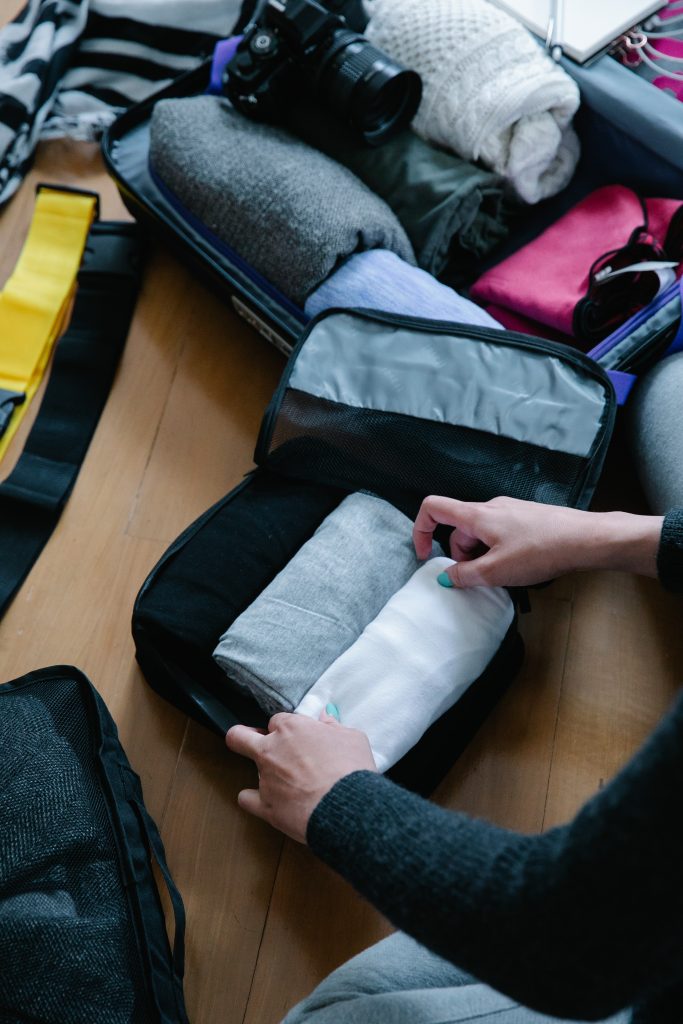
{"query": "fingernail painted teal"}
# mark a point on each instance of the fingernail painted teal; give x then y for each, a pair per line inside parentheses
(333, 710)
(443, 579)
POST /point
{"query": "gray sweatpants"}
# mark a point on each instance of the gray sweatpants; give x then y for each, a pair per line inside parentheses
(400, 982)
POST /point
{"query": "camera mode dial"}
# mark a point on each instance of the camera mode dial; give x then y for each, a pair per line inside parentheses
(263, 43)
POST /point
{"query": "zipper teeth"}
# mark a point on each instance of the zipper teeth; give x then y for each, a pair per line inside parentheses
(649, 347)
(651, 340)
(625, 362)
(130, 888)
(637, 321)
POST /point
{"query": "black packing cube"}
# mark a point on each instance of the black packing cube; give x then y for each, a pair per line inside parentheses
(82, 929)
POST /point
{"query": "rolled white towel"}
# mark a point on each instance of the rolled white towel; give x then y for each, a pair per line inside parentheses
(413, 661)
(490, 92)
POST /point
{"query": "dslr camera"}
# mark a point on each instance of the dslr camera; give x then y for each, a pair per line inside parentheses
(300, 46)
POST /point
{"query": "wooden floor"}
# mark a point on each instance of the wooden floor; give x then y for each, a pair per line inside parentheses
(265, 920)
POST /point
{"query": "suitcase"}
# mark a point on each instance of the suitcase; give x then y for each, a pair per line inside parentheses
(189, 598)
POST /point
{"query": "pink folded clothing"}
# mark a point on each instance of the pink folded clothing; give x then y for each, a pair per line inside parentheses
(543, 282)
(523, 325)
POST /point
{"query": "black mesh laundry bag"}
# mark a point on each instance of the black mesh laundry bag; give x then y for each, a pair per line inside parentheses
(401, 407)
(82, 932)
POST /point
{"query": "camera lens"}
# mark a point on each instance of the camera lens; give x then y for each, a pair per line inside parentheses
(368, 88)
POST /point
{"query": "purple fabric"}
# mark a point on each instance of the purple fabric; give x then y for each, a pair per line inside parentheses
(635, 321)
(223, 52)
(677, 344)
(623, 382)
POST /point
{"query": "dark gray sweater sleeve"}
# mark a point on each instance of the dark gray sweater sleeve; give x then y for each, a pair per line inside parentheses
(670, 554)
(579, 922)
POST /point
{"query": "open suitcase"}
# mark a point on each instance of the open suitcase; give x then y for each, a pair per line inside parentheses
(317, 445)
(629, 130)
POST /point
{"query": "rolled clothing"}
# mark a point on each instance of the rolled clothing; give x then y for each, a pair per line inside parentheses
(545, 280)
(490, 92)
(320, 603)
(289, 211)
(413, 661)
(656, 432)
(451, 209)
(379, 279)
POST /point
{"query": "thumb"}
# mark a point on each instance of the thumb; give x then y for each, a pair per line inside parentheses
(468, 574)
(250, 800)
(330, 715)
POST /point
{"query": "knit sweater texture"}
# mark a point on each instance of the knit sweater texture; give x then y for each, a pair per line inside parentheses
(490, 93)
(290, 212)
(579, 922)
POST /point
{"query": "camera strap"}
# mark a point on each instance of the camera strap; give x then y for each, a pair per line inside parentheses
(34, 494)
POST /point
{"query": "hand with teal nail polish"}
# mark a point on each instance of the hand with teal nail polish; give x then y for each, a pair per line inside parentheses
(507, 542)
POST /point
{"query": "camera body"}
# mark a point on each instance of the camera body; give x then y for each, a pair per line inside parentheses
(298, 46)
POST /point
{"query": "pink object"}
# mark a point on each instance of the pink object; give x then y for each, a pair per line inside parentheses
(517, 322)
(669, 48)
(543, 281)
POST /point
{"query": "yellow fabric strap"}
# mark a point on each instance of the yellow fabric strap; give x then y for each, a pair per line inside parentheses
(36, 300)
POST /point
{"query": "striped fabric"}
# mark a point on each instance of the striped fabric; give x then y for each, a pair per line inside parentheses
(68, 67)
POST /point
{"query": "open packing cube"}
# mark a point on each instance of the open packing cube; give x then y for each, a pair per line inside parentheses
(82, 932)
(401, 408)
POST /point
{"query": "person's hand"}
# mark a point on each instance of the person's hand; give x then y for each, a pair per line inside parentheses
(298, 761)
(506, 542)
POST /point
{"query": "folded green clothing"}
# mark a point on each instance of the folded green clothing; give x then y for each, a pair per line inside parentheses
(291, 212)
(449, 208)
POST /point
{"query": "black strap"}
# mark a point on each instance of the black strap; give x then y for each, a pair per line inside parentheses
(34, 494)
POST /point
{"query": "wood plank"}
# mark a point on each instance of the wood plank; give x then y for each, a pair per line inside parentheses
(225, 377)
(316, 922)
(224, 864)
(623, 669)
(9, 9)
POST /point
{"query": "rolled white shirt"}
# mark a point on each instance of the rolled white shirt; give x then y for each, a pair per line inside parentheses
(413, 661)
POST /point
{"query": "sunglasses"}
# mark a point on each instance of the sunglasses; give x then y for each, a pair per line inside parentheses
(624, 280)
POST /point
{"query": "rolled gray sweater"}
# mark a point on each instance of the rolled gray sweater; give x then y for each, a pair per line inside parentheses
(289, 211)
(579, 922)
